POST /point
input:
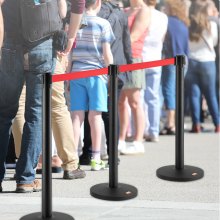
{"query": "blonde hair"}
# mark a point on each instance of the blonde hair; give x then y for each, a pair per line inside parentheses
(198, 14)
(177, 8)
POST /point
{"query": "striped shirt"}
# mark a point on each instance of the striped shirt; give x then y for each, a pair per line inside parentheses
(88, 53)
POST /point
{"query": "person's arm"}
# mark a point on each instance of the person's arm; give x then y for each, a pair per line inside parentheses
(141, 23)
(77, 9)
(107, 53)
(62, 8)
(1, 24)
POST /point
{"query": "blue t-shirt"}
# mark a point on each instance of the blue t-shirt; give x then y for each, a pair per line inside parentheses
(177, 38)
(88, 53)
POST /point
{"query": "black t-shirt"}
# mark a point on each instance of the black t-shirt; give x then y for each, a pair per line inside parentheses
(12, 19)
(121, 47)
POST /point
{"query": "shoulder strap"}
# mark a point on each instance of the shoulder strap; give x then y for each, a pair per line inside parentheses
(207, 44)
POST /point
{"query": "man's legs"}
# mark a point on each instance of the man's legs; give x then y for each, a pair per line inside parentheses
(11, 83)
(40, 61)
(62, 125)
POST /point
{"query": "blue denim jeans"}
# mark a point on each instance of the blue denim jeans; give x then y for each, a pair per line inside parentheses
(168, 84)
(201, 79)
(152, 100)
(12, 77)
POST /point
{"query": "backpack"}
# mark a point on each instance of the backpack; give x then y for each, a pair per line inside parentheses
(111, 12)
(39, 21)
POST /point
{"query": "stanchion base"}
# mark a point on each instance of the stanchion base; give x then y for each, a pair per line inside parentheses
(55, 216)
(188, 173)
(122, 192)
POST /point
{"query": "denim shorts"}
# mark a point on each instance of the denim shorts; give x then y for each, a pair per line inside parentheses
(88, 94)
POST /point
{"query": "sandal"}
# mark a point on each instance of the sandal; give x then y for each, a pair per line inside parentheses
(167, 131)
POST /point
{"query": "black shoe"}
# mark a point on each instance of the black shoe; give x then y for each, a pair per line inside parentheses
(74, 174)
(167, 131)
(84, 159)
(1, 187)
(53, 170)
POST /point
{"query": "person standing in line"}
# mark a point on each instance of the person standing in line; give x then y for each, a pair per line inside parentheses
(1, 39)
(92, 51)
(175, 43)
(121, 51)
(138, 22)
(12, 76)
(201, 75)
(152, 50)
(61, 123)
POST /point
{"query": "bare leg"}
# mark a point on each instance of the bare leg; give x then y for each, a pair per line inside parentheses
(77, 118)
(171, 119)
(123, 115)
(134, 100)
(95, 121)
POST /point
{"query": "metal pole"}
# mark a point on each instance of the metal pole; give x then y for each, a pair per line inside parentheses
(113, 190)
(46, 153)
(179, 171)
(113, 127)
(179, 138)
(46, 208)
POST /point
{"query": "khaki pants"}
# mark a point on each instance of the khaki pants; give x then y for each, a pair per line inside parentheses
(61, 124)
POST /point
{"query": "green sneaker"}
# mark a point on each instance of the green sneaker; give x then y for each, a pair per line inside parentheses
(98, 165)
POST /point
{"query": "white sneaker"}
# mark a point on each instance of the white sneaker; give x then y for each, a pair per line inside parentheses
(121, 145)
(135, 147)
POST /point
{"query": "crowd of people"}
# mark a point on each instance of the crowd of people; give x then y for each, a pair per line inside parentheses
(111, 33)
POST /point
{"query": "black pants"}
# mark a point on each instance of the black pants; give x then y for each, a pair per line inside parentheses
(87, 140)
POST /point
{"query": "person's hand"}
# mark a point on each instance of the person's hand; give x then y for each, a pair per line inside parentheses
(69, 46)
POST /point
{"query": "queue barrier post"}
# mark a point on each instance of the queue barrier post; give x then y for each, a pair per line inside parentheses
(179, 171)
(113, 191)
(47, 213)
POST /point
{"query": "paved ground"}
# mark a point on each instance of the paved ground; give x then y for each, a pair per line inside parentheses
(157, 199)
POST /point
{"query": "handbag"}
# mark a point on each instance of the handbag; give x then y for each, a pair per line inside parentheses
(39, 21)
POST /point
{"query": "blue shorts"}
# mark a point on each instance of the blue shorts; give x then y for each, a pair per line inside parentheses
(88, 94)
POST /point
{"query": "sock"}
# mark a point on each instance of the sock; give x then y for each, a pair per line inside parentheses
(96, 155)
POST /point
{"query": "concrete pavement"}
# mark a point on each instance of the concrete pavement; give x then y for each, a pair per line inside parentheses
(157, 199)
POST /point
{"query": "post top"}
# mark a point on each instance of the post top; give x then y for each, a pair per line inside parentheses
(180, 60)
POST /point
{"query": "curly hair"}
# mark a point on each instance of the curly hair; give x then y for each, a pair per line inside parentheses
(199, 19)
(177, 8)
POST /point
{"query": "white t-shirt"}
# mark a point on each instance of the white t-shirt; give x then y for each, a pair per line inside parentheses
(153, 42)
(200, 51)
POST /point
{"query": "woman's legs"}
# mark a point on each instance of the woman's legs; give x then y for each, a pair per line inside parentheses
(123, 115)
(133, 96)
(134, 101)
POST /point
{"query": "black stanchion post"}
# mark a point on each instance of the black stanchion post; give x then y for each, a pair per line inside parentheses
(113, 128)
(46, 174)
(113, 191)
(180, 172)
